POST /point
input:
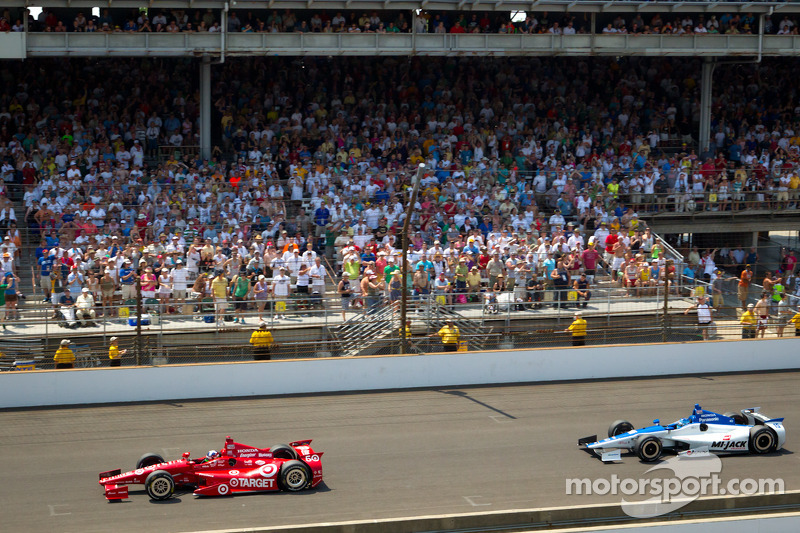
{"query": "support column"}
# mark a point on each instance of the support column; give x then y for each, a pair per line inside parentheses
(205, 107)
(705, 103)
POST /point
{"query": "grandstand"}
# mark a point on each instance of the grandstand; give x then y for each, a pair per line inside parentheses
(223, 139)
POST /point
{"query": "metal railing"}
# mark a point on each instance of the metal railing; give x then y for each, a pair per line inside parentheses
(307, 323)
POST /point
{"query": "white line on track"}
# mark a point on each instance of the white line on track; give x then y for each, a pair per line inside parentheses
(472, 502)
(53, 511)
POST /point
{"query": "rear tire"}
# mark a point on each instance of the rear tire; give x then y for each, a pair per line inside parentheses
(737, 418)
(294, 476)
(762, 439)
(283, 451)
(618, 427)
(149, 459)
(159, 485)
(648, 448)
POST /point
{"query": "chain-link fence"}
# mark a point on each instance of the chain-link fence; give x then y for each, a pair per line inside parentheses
(205, 331)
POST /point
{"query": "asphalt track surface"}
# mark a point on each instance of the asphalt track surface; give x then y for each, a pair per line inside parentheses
(387, 454)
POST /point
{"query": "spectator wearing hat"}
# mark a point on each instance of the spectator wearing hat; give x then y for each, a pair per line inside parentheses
(749, 323)
(578, 330)
(179, 278)
(318, 275)
(7, 264)
(261, 340)
(371, 289)
(281, 288)
(84, 308)
(261, 294)
(64, 356)
(450, 335)
(114, 353)
(127, 280)
(474, 282)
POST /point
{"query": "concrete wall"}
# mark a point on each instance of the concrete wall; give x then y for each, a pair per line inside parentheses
(107, 385)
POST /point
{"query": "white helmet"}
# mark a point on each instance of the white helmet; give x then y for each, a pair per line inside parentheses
(212, 454)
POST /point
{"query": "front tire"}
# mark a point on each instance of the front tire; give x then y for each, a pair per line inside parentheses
(283, 451)
(762, 439)
(294, 476)
(149, 459)
(618, 427)
(159, 485)
(648, 448)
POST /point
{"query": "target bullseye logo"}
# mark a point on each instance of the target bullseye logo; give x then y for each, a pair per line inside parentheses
(223, 489)
(234, 482)
(269, 470)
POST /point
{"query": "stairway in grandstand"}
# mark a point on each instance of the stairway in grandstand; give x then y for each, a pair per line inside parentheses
(377, 333)
(367, 333)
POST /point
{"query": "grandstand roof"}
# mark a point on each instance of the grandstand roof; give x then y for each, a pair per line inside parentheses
(442, 5)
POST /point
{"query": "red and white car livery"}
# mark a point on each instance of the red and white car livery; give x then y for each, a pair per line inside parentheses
(235, 468)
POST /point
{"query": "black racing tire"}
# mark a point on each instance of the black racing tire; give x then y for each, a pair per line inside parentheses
(762, 439)
(737, 418)
(159, 485)
(149, 459)
(283, 451)
(648, 448)
(619, 427)
(294, 476)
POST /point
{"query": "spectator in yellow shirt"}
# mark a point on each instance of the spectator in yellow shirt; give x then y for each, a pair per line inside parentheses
(406, 330)
(64, 357)
(796, 321)
(219, 289)
(114, 353)
(749, 323)
(262, 341)
(450, 336)
(578, 329)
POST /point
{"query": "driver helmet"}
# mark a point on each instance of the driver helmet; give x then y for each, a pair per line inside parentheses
(212, 454)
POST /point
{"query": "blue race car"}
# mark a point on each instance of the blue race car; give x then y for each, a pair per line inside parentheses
(743, 432)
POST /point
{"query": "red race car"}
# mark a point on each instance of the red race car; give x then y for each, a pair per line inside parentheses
(235, 468)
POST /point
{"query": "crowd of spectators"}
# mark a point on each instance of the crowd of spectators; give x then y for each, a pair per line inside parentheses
(273, 21)
(531, 162)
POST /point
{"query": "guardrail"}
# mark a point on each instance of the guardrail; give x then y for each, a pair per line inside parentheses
(310, 333)
(327, 44)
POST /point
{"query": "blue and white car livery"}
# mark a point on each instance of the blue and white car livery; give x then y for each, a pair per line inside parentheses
(703, 431)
